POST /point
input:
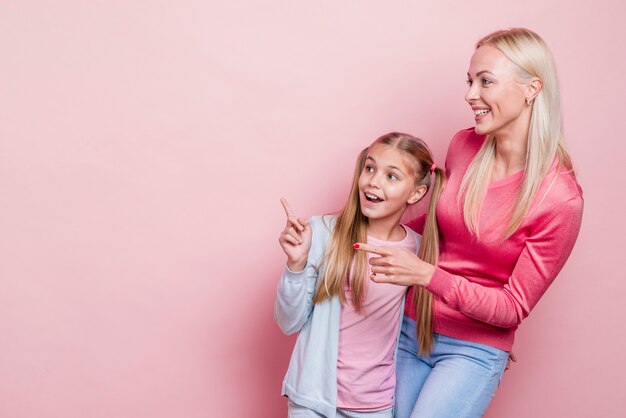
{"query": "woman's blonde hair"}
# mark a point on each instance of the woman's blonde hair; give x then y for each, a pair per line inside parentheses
(532, 58)
(351, 226)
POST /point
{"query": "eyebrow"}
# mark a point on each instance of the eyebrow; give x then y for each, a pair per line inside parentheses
(478, 74)
(389, 166)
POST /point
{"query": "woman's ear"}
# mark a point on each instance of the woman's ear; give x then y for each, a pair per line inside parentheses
(417, 195)
(532, 89)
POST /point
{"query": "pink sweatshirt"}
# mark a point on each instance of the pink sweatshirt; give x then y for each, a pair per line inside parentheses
(484, 288)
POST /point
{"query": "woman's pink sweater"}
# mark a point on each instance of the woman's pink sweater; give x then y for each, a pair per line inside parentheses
(484, 286)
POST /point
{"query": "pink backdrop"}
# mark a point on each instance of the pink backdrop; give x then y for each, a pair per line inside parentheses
(144, 147)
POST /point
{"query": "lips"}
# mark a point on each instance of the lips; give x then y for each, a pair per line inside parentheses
(373, 198)
(480, 113)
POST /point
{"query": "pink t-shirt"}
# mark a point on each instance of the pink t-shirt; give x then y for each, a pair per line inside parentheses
(366, 378)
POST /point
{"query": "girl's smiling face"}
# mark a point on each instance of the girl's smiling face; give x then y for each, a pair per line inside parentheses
(387, 184)
(496, 93)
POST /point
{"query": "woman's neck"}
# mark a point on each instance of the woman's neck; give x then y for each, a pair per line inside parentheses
(510, 155)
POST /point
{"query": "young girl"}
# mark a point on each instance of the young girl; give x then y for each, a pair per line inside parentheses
(343, 363)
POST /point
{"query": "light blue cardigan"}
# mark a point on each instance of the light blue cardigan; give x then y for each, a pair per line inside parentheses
(311, 380)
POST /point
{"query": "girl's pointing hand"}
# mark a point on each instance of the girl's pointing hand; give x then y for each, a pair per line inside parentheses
(295, 239)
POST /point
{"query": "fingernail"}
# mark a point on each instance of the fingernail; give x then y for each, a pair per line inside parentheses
(355, 245)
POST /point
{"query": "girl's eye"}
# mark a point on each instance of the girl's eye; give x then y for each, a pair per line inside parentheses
(369, 169)
(392, 177)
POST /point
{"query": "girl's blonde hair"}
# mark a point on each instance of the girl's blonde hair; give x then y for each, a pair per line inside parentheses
(532, 58)
(351, 227)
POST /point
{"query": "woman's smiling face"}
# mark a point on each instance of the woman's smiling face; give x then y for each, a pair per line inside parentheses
(496, 93)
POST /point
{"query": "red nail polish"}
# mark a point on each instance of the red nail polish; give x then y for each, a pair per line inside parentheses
(355, 245)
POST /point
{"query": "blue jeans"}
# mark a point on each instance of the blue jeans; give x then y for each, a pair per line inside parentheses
(297, 411)
(457, 380)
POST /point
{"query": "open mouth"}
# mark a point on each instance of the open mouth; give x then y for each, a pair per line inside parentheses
(481, 112)
(372, 198)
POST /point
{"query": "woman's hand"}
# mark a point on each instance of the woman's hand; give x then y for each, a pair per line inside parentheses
(295, 239)
(397, 266)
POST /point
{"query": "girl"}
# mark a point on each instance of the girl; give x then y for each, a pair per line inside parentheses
(343, 363)
(509, 217)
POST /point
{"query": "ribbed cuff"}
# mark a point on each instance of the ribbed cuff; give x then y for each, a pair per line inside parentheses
(441, 283)
(297, 276)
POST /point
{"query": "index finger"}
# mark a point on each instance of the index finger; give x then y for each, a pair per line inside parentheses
(288, 210)
(291, 217)
(374, 249)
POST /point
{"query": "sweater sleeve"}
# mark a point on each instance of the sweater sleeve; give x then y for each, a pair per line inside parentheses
(542, 257)
(294, 299)
(295, 291)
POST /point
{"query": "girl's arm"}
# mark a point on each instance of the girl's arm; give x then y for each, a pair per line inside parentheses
(294, 299)
(295, 291)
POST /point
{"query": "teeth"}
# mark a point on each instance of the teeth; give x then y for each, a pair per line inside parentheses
(371, 196)
(481, 111)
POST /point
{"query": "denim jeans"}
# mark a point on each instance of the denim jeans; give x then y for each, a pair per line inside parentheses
(457, 380)
(297, 411)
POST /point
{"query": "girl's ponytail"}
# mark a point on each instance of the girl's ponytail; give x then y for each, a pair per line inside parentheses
(429, 252)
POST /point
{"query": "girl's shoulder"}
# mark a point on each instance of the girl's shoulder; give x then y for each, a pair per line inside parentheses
(322, 227)
(416, 236)
(323, 222)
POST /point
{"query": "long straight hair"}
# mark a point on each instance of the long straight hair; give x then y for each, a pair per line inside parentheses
(342, 265)
(532, 58)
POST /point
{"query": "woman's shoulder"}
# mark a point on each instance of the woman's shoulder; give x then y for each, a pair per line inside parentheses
(467, 137)
(560, 195)
(561, 184)
(463, 146)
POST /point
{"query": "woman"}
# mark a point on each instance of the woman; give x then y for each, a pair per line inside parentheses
(508, 216)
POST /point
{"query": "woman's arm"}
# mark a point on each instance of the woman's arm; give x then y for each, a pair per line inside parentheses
(541, 260)
(539, 263)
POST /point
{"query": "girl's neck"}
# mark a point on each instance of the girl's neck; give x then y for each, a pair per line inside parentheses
(386, 230)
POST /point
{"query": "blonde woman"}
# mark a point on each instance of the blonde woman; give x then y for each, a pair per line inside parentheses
(508, 218)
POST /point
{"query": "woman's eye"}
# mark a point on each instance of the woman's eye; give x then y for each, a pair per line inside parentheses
(486, 81)
(469, 82)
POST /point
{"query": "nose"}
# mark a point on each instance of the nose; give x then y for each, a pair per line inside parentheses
(472, 93)
(374, 181)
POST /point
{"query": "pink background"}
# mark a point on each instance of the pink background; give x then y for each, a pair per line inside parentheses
(144, 147)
